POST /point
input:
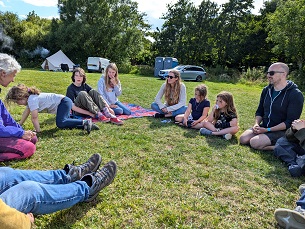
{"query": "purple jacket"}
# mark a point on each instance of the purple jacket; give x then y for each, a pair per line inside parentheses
(8, 126)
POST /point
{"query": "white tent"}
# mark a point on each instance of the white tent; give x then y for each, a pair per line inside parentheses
(53, 63)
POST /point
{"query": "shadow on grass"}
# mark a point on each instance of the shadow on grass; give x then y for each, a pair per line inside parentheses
(67, 218)
(279, 173)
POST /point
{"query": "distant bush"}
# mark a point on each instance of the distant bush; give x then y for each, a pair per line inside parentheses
(222, 74)
(254, 74)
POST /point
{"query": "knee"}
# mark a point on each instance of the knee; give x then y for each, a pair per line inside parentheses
(154, 106)
(6, 172)
(243, 140)
(255, 144)
(82, 94)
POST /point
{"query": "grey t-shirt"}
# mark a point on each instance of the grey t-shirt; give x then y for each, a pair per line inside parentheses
(45, 102)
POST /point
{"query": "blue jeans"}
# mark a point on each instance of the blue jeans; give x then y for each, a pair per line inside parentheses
(181, 110)
(287, 151)
(40, 192)
(301, 201)
(63, 119)
(121, 109)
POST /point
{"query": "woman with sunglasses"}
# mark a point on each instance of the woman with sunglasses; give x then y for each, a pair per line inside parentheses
(174, 92)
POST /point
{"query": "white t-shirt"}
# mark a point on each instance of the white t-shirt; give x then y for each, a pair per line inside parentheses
(45, 102)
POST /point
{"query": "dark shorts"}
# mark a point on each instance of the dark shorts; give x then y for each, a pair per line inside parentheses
(274, 136)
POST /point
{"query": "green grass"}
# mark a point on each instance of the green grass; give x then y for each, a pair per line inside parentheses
(168, 176)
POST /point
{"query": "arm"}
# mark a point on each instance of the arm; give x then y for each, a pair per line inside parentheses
(159, 96)
(35, 120)
(8, 126)
(13, 219)
(187, 114)
(294, 109)
(25, 115)
(182, 100)
(101, 89)
(117, 89)
(82, 111)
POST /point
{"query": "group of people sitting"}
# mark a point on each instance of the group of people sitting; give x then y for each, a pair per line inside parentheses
(277, 124)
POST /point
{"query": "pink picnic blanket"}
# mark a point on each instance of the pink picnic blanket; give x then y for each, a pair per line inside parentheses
(137, 112)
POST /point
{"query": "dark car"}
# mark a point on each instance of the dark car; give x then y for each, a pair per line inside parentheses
(187, 72)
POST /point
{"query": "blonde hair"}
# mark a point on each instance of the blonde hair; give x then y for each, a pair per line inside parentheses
(20, 92)
(108, 83)
(172, 93)
(228, 98)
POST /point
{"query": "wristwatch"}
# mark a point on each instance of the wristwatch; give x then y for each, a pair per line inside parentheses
(269, 129)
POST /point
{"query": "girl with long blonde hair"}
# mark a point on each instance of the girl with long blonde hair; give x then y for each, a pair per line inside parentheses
(109, 86)
(174, 92)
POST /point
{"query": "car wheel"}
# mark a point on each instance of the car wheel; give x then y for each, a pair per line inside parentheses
(199, 78)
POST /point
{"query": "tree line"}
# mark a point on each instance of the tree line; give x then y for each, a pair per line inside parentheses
(227, 35)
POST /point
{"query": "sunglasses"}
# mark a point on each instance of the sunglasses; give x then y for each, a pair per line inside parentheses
(271, 73)
(172, 77)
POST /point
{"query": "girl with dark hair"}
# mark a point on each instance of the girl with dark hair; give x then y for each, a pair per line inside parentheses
(85, 97)
(197, 109)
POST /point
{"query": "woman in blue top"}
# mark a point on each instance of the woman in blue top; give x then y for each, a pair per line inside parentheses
(15, 142)
(197, 109)
(109, 86)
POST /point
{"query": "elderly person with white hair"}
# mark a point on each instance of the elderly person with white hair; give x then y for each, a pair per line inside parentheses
(16, 143)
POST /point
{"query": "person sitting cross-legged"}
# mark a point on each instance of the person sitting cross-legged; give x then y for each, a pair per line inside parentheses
(27, 192)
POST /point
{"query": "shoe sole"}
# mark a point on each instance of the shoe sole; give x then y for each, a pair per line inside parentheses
(289, 219)
(119, 124)
(109, 182)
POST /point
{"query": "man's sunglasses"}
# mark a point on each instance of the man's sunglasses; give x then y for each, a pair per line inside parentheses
(271, 73)
(172, 77)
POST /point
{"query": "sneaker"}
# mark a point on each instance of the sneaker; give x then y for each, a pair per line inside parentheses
(227, 136)
(100, 179)
(103, 118)
(159, 115)
(295, 170)
(87, 125)
(116, 121)
(302, 188)
(205, 131)
(77, 172)
(290, 218)
(94, 127)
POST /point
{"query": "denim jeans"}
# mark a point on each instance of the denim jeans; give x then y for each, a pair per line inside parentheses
(301, 201)
(287, 151)
(181, 110)
(63, 119)
(121, 109)
(40, 192)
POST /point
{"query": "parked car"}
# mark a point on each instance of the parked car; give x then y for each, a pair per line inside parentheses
(187, 72)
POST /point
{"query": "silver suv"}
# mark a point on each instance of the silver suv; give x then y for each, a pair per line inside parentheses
(187, 72)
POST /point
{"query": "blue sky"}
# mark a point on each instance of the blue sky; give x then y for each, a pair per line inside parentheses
(48, 8)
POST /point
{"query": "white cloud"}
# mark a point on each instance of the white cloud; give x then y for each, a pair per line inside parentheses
(2, 4)
(46, 3)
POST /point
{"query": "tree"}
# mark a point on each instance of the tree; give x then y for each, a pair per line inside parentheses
(113, 29)
(286, 30)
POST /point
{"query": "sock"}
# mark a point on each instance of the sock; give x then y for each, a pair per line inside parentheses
(107, 113)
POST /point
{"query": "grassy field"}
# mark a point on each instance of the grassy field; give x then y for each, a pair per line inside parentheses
(168, 176)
